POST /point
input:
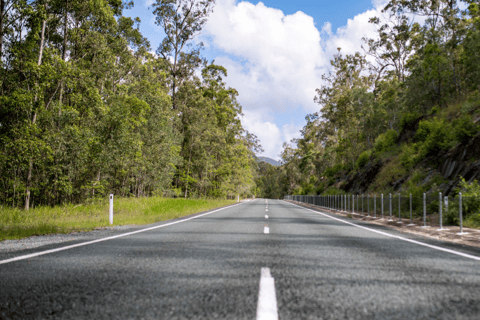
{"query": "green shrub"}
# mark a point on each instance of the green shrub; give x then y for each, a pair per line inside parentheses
(433, 207)
(385, 140)
(406, 119)
(331, 171)
(434, 135)
(363, 159)
(470, 205)
(320, 189)
(309, 189)
(413, 185)
(471, 196)
(435, 110)
(465, 129)
(408, 157)
(298, 191)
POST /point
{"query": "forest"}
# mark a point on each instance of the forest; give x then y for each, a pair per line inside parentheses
(390, 114)
(88, 108)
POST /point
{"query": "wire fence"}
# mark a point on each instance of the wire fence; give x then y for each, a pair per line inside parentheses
(434, 210)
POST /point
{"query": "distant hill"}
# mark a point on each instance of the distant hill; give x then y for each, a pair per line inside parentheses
(270, 161)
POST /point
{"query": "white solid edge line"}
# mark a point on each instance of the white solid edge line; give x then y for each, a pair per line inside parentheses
(465, 255)
(267, 299)
(36, 254)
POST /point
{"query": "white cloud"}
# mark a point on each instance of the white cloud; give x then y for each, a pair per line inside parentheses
(349, 37)
(270, 135)
(266, 131)
(291, 131)
(281, 54)
(276, 61)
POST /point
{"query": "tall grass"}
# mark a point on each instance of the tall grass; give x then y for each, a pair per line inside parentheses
(17, 224)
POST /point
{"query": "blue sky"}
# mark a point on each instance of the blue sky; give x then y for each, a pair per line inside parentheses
(275, 53)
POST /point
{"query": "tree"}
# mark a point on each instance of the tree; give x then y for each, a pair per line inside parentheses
(182, 21)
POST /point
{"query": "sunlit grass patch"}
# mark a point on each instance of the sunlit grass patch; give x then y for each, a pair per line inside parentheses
(17, 224)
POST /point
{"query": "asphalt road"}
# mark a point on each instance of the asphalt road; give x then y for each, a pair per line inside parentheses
(209, 268)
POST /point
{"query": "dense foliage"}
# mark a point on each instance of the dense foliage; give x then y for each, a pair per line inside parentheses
(87, 110)
(422, 67)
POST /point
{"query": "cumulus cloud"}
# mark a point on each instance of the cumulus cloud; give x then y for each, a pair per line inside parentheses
(278, 54)
(349, 37)
(276, 61)
(270, 135)
(266, 131)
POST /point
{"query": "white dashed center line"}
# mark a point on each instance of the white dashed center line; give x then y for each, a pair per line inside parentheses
(267, 299)
(266, 217)
(266, 230)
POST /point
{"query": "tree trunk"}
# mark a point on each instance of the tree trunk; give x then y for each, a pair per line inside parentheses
(2, 16)
(188, 171)
(64, 52)
(30, 167)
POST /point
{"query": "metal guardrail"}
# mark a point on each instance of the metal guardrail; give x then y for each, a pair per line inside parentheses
(432, 209)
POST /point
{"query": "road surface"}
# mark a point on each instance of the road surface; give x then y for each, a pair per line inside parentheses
(210, 266)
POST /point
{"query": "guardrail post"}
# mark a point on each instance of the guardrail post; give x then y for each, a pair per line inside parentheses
(399, 208)
(368, 205)
(440, 210)
(358, 207)
(382, 205)
(363, 210)
(424, 210)
(110, 213)
(353, 203)
(460, 212)
(411, 219)
(390, 208)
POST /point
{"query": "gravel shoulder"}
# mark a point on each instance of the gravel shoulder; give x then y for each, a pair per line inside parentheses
(470, 237)
(10, 248)
(39, 241)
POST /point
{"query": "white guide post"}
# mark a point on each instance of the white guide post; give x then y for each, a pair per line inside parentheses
(110, 215)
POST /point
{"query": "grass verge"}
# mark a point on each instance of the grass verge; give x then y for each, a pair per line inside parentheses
(18, 224)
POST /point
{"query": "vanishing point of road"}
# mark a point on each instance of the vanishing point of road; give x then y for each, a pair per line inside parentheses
(255, 260)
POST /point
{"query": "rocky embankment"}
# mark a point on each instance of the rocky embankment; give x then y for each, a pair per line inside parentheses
(461, 161)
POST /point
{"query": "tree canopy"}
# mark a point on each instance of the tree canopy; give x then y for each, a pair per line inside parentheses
(87, 110)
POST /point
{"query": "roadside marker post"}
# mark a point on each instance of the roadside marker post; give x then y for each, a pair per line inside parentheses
(368, 205)
(424, 210)
(390, 208)
(382, 205)
(375, 206)
(110, 215)
(411, 220)
(353, 203)
(440, 211)
(363, 208)
(399, 209)
(358, 204)
(460, 213)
